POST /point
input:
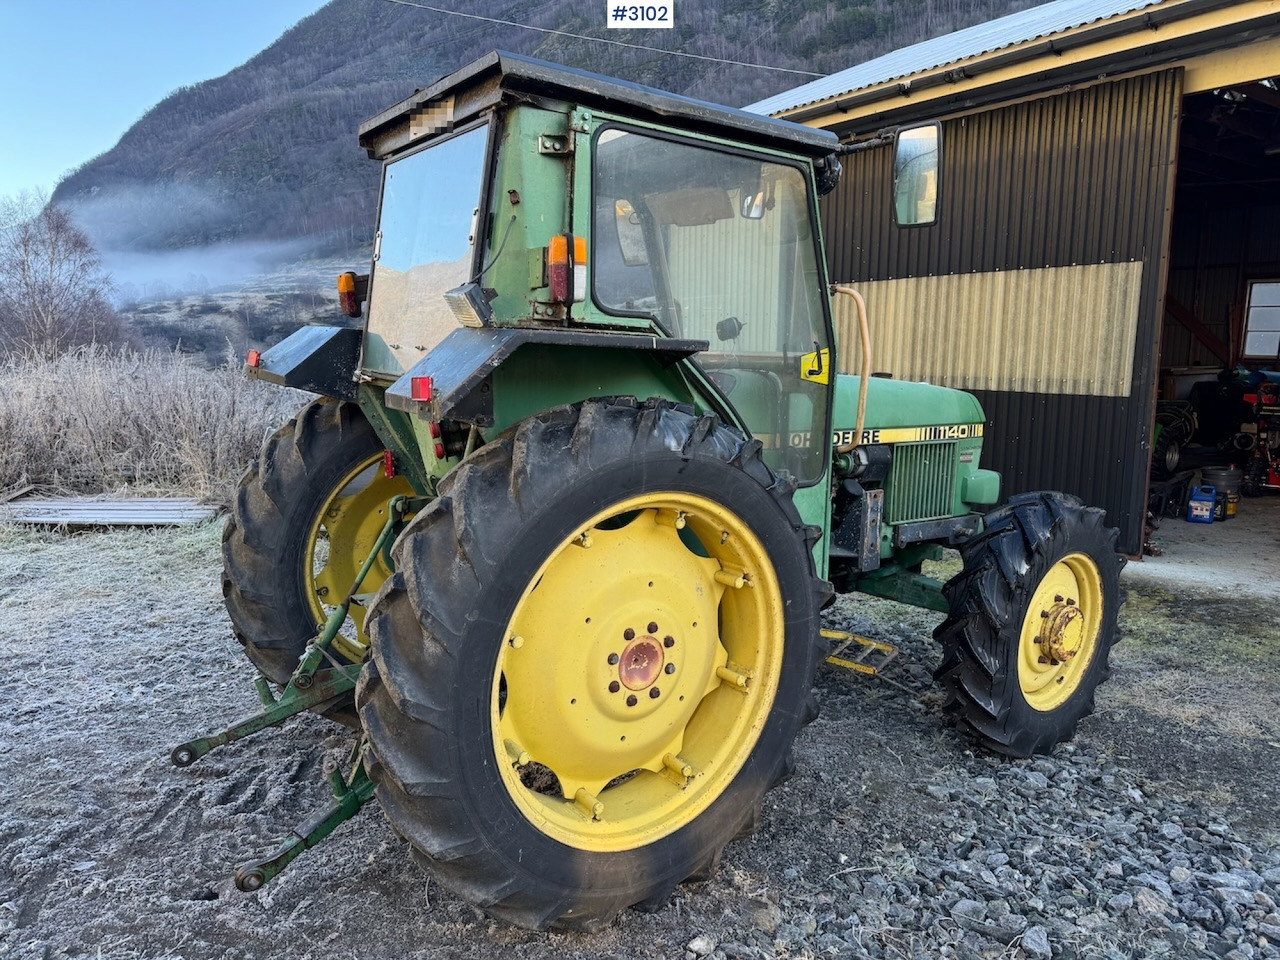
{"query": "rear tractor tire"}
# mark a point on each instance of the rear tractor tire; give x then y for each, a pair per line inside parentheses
(306, 515)
(1031, 624)
(591, 662)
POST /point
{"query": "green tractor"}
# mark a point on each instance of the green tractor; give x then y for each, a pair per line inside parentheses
(556, 535)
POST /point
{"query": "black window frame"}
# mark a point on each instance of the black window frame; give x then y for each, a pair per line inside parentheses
(1244, 326)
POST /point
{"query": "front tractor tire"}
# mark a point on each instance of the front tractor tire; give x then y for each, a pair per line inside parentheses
(306, 515)
(591, 662)
(1031, 624)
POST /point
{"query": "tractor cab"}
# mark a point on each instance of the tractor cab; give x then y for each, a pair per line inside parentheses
(546, 206)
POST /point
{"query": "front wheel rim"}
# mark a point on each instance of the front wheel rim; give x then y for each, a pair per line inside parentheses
(1060, 631)
(637, 672)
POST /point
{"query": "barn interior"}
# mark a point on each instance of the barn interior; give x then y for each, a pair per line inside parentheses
(1218, 419)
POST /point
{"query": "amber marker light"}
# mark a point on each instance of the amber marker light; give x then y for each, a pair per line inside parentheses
(349, 298)
(579, 269)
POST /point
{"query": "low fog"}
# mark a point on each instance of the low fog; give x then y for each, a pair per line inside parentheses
(168, 240)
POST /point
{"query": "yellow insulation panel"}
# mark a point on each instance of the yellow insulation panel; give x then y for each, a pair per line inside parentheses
(1056, 330)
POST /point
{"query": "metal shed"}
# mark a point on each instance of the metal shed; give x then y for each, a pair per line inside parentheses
(1104, 196)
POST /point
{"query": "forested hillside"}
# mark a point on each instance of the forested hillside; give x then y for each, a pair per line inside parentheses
(268, 151)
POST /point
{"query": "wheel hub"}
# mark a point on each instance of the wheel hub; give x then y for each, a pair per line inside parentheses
(641, 663)
(1062, 631)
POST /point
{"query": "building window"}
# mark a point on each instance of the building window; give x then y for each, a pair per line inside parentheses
(915, 175)
(1262, 321)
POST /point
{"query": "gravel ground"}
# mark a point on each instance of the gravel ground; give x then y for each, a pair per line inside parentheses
(1155, 832)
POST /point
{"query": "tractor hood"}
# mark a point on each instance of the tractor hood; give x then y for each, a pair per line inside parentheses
(901, 403)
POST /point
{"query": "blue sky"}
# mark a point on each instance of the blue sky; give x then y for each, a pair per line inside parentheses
(75, 74)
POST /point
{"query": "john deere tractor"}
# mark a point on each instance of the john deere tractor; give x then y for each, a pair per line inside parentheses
(556, 534)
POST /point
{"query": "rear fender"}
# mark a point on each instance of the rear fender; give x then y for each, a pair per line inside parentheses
(318, 359)
(476, 377)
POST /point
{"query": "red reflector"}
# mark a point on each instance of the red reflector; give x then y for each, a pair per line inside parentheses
(559, 269)
(558, 277)
(388, 463)
(439, 451)
(254, 358)
(435, 430)
(420, 388)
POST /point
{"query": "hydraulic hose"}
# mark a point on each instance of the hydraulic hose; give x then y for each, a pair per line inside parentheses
(865, 370)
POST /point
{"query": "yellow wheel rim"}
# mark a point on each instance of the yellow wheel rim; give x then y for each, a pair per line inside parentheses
(341, 536)
(1060, 632)
(637, 672)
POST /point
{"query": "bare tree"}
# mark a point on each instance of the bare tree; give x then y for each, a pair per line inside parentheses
(55, 295)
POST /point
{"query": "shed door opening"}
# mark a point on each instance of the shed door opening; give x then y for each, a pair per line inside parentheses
(1221, 333)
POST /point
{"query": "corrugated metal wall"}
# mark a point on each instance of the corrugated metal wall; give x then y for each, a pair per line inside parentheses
(1078, 178)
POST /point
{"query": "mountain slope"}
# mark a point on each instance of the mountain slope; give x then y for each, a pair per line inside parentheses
(268, 152)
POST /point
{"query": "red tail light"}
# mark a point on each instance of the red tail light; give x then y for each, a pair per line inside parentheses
(352, 291)
(559, 269)
(253, 358)
(420, 388)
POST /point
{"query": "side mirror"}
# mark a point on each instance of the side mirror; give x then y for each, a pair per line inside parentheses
(752, 199)
(915, 175)
(630, 234)
(827, 172)
(753, 205)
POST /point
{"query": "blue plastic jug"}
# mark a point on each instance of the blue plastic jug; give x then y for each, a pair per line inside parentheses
(1200, 505)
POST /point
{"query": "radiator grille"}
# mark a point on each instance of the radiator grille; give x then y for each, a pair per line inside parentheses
(920, 482)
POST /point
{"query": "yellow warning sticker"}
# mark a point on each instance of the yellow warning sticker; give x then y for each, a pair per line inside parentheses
(815, 367)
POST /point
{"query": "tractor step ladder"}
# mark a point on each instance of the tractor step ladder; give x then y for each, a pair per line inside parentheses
(872, 656)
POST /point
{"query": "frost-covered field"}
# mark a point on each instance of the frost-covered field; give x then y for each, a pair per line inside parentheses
(1155, 832)
(96, 421)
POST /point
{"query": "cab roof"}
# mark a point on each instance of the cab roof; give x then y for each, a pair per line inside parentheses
(466, 93)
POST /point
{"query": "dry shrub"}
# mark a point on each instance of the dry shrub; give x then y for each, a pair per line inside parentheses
(95, 420)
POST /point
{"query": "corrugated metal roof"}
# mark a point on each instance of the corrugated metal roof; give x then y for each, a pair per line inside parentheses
(1041, 21)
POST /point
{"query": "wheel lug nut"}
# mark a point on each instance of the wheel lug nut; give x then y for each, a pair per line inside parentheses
(668, 642)
(628, 634)
(654, 693)
(631, 700)
(653, 627)
(615, 687)
(670, 668)
(613, 658)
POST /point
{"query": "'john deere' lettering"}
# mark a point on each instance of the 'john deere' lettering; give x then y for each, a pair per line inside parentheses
(951, 431)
